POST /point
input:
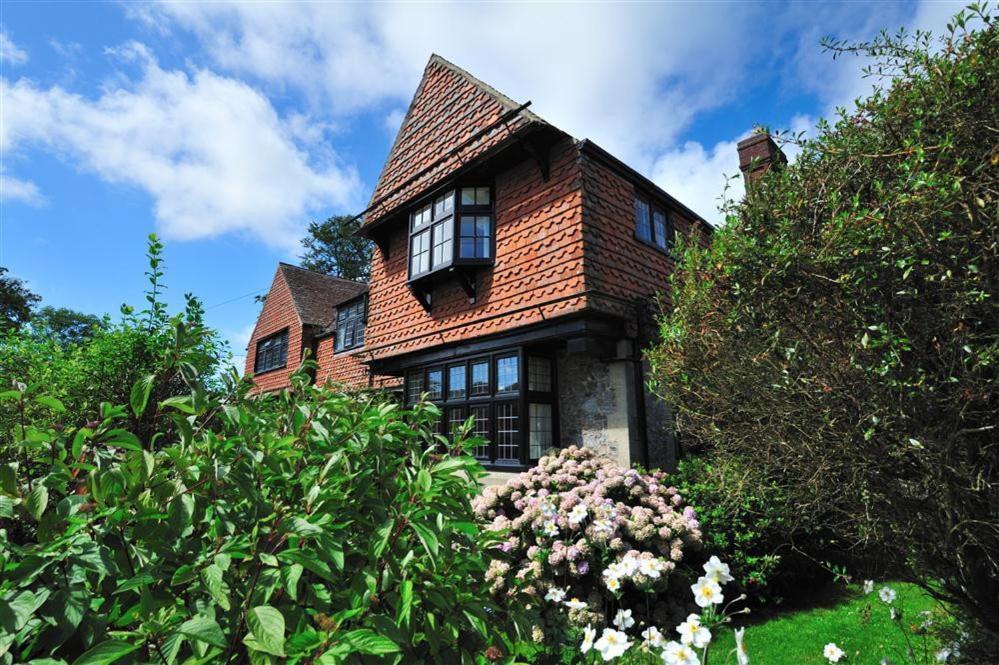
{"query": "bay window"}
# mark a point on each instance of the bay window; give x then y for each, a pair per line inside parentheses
(467, 213)
(510, 396)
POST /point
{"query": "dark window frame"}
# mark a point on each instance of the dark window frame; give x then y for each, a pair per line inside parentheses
(281, 359)
(661, 244)
(453, 220)
(522, 398)
(351, 315)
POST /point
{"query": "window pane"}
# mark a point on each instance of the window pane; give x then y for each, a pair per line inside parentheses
(476, 233)
(507, 432)
(468, 196)
(507, 380)
(480, 378)
(435, 384)
(481, 429)
(455, 418)
(272, 352)
(482, 196)
(540, 416)
(421, 216)
(659, 226)
(442, 243)
(456, 382)
(539, 374)
(420, 258)
(642, 228)
(444, 206)
(414, 387)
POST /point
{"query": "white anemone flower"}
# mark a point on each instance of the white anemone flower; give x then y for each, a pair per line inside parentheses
(623, 619)
(651, 568)
(629, 565)
(692, 632)
(550, 528)
(679, 654)
(717, 570)
(575, 604)
(868, 587)
(612, 644)
(833, 653)
(943, 655)
(556, 594)
(603, 526)
(652, 638)
(887, 594)
(588, 634)
(706, 592)
(741, 655)
(578, 514)
(613, 584)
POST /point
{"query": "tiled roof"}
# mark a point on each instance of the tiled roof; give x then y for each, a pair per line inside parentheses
(450, 106)
(316, 295)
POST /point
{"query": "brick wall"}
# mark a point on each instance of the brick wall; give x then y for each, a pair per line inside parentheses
(277, 314)
(538, 271)
(347, 367)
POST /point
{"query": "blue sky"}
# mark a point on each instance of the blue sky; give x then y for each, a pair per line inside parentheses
(227, 127)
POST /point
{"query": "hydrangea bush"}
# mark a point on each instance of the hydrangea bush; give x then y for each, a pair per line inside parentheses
(585, 537)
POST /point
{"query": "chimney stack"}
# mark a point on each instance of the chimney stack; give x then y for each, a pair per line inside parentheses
(757, 154)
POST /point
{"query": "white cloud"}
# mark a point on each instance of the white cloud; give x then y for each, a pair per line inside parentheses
(393, 121)
(9, 51)
(211, 151)
(630, 77)
(14, 189)
(698, 177)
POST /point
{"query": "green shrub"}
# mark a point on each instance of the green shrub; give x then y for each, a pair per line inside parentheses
(841, 335)
(308, 525)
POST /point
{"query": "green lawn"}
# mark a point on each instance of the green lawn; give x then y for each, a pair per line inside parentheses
(860, 625)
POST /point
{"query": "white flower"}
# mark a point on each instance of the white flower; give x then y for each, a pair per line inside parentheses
(555, 594)
(616, 569)
(943, 655)
(652, 638)
(603, 526)
(692, 632)
(887, 594)
(612, 643)
(578, 514)
(650, 567)
(679, 654)
(550, 529)
(868, 587)
(717, 570)
(629, 565)
(832, 653)
(575, 604)
(588, 634)
(741, 655)
(623, 619)
(706, 592)
(613, 583)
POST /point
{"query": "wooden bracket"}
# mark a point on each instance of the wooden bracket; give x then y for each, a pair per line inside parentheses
(423, 296)
(541, 154)
(467, 284)
(382, 242)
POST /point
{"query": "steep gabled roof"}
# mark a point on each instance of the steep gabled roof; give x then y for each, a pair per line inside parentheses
(316, 295)
(450, 106)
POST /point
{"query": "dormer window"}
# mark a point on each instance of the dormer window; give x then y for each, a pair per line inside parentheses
(432, 245)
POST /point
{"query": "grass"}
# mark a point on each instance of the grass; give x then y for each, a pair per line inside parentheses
(860, 625)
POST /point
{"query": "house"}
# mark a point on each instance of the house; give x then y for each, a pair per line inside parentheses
(515, 280)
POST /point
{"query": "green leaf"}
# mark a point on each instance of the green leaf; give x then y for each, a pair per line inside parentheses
(368, 641)
(51, 402)
(139, 397)
(37, 501)
(405, 602)
(123, 439)
(217, 588)
(8, 479)
(181, 403)
(203, 629)
(427, 537)
(106, 652)
(267, 628)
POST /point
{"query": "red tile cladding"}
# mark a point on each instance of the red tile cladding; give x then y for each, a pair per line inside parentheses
(278, 314)
(538, 271)
(347, 368)
(449, 107)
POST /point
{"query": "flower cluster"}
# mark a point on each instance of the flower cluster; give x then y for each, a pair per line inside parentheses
(582, 532)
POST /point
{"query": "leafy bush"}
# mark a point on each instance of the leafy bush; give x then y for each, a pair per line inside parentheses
(308, 525)
(841, 335)
(581, 535)
(743, 522)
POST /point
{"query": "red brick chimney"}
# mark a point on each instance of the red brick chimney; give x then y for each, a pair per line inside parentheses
(757, 154)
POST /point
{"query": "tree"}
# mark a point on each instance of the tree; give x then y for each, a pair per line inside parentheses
(66, 326)
(16, 301)
(333, 247)
(841, 335)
